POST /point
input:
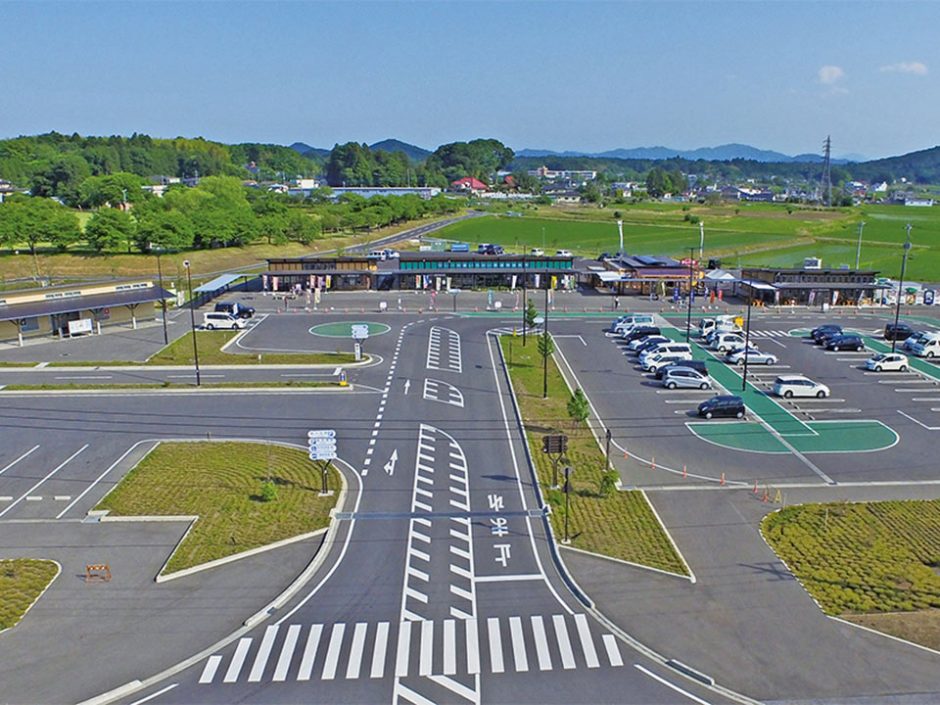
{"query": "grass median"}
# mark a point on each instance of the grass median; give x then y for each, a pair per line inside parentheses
(873, 563)
(22, 581)
(621, 525)
(72, 386)
(246, 495)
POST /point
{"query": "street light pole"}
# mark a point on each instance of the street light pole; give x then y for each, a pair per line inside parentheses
(688, 318)
(897, 310)
(701, 241)
(545, 334)
(747, 333)
(525, 300)
(159, 249)
(568, 471)
(858, 250)
(192, 319)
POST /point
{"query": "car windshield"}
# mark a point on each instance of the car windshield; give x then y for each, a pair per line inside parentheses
(879, 357)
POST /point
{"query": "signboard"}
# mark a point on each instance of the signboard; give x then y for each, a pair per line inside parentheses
(360, 331)
(80, 327)
(326, 433)
(321, 444)
(555, 444)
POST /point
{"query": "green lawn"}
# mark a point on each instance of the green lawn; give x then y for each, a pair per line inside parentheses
(862, 557)
(22, 580)
(621, 525)
(221, 483)
(165, 385)
(210, 343)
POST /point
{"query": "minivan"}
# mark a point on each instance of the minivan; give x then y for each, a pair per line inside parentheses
(722, 324)
(722, 405)
(845, 342)
(641, 332)
(685, 377)
(235, 308)
(898, 331)
(669, 347)
(643, 344)
(654, 362)
(213, 320)
(697, 365)
(632, 320)
(799, 386)
(825, 330)
(928, 347)
(724, 342)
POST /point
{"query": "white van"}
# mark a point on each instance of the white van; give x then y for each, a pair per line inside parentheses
(666, 348)
(927, 346)
(213, 320)
(723, 342)
(378, 254)
(625, 323)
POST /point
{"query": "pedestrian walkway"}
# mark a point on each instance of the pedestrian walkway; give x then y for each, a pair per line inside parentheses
(449, 647)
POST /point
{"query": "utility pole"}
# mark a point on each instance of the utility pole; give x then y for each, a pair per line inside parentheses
(747, 333)
(688, 318)
(158, 251)
(897, 310)
(192, 320)
(858, 250)
(701, 241)
(545, 334)
(827, 170)
(525, 300)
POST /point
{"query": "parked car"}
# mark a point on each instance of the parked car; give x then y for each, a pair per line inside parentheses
(239, 310)
(721, 324)
(644, 344)
(697, 365)
(927, 346)
(641, 332)
(377, 254)
(212, 320)
(654, 362)
(723, 342)
(563, 253)
(899, 331)
(825, 330)
(631, 320)
(685, 377)
(713, 334)
(920, 336)
(722, 405)
(392, 254)
(754, 357)
(669, 347)
(537, 251)
(887, 362)
(845, 342)
(602, 256)
(798, 386)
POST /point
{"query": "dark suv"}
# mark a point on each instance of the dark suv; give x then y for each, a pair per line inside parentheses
(235, 309)
(899, 331)
(845, 342)
(722, 405)
(641, 332)
(820, 333)
(697, 365)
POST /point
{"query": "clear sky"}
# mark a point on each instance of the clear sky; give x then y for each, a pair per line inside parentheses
(560, 75)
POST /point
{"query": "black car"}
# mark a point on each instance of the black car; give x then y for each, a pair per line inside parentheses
(825, 331)
(641, 332)
(652, 343)
(722, 405)
(899, 331)
(234, 308)
(845, 342)
(697, 365)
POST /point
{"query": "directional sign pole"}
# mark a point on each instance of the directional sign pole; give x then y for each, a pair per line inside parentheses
(326, 467)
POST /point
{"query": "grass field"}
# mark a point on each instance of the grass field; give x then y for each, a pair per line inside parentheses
(749, 234)
(621, 525)
(859, 559)
(22, 580)
(221, 483)
(210, 343)
(164, 385)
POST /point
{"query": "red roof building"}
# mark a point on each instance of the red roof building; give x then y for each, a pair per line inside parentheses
(468, 183)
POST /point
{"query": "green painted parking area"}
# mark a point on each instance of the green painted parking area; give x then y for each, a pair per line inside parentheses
(343, 329)
(780, 431)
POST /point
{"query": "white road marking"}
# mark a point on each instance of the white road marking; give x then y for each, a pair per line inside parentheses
(378, 650)
(310, 652)
(508, 578)
(541, 644)
(25, 455)
(518, 644)
(473, 647)
(43, 480)
(613, 651)
(238, 660)
(676, 688)
(919, 423)
(355, 651)
(587, 644)
(496, 647)
(212, 665)
(287, 652)
(155, 695)
(404, 641)
(96, 481)
(85, 377)
(564, 643)
(264, 652)
(332, 652)
(34, 498)
(427, 648)
(450, 647)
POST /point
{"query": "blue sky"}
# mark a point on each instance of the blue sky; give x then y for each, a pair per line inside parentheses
(559, 75)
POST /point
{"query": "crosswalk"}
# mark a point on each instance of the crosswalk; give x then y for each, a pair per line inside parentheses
(436, 390)
(444, 350)
(427, 648)
(769, 334)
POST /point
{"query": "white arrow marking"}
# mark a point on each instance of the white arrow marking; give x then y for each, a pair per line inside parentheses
(390, 465)
(407, 385)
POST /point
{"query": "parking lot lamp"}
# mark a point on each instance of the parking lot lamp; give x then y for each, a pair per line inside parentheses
(701, 241)
(747, 333)
(688, 318)
(858, 250)
(545, 334)
(158, 251)
(192, 319)
(897, 310)
(568, 471)
(525, 299)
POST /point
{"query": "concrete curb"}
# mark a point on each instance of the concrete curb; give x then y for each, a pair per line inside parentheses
(625, 562)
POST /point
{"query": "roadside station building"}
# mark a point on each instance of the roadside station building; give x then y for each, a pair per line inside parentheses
(810, 287)
(645, 275)
(77, 309)
(419, 270)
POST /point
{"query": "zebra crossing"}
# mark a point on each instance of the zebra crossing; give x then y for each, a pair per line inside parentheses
(436, 390)
(439, 339)
(427, 648)
(769, 334)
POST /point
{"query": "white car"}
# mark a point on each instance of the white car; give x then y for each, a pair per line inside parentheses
(754, 357)
(654, 362)
(723, 342)
(887, 361)
(635, 345)
(788, 386)
(563, 253)
(213, 320)
(537, 252)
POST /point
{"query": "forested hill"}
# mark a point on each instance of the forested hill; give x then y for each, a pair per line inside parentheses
(920, 167)
(52, 156)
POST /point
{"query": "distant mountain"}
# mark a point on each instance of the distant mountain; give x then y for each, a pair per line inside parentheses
(724, 152)
(307, 150)
(414, 153)
(920, 167)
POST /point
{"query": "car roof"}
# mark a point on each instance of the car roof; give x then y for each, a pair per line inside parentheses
(726, 398)
(792, 378)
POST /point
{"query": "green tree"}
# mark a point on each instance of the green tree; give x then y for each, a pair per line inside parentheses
(546, 346)
(113, 189)
(33, 220)
(531, 313)
(607, 483)
(109, 229)
(578, 408)
(169, 229)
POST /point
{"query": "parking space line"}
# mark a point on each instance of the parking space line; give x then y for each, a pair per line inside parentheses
(43, 480)
(26, 454)
(96, 481)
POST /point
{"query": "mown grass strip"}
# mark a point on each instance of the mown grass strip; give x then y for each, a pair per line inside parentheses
(222, 484)
(621, 525)
(862, 558)
(75, 386)
(22, 580)
(180, 352)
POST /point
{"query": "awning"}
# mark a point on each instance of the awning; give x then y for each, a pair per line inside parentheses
(759, 285)
(220, 283)
(51, 307)
(608, 277)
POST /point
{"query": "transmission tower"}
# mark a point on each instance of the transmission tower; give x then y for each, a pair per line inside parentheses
(827, 171)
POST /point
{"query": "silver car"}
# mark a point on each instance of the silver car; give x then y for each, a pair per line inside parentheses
(687, 378)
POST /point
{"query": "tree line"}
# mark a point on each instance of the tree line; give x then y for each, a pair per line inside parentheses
(218, 212)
